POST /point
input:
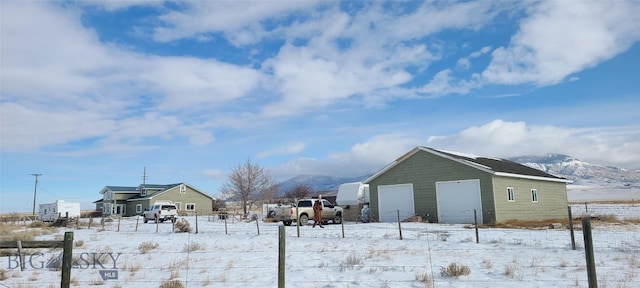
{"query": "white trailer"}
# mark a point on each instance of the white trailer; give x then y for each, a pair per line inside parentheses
(50, 212)
(354, 193)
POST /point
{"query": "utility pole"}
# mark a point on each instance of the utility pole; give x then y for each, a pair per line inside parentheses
(144, 176)
(35, 190)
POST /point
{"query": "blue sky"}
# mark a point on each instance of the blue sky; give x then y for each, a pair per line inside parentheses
(94, 91)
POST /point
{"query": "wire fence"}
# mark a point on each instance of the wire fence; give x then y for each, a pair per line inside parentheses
(235, 253)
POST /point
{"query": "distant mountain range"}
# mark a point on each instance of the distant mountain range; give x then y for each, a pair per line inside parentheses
(580, 172)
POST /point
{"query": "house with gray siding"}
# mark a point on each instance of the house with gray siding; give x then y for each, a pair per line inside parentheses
(451, 187)
(134, 200)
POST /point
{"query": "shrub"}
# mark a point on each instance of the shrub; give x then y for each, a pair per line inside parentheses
(454, 270)
(424, 278)
(193, 246)
(78, 243)
(351, 261)
(3, 275)
(147, 246)
(182, 226)
(172, 284)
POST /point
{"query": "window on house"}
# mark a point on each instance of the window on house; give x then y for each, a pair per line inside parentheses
(511, 195)
(108, 195)
(178, 205)
(138, 208)
(190, 206)
(534, 195)
(183, 189)
(143, 192)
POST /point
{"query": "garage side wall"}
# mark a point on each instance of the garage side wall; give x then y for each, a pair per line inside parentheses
(423, 170)
(203, 204)
(552, 200)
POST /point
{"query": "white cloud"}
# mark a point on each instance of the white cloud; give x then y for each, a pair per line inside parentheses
(482, 51)
(290, 148)
(215, 174)
(363, 158)
(88, 90)
(600, 145)
(201, 17)
(444, 84)
(560, 38)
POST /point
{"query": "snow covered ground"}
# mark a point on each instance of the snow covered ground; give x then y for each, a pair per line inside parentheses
(582, 193)
(369, 255)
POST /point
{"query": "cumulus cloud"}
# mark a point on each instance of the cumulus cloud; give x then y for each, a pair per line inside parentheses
(560, 38)
(90, 90)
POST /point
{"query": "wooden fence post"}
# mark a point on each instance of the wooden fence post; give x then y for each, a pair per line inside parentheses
(197, 223)
(137, 220)
(588, 249)
(20, 255)
(257, 226)
(67, 260)
(399, 227)
(475, 220)
(342, 222)
(573, 239)
(281, 255)
(226, 231)
(298, 221)
(118, 225)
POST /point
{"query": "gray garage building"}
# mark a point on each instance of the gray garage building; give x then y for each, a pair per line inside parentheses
(446, 187)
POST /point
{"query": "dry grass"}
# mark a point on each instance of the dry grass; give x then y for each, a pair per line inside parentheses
(171, 284)
(455, 270)
(134, 268)
(526, 224)
(78, 243)
(351, 262)
(424, 278)
(193, 246)
(3, 275)
(147, 246)
(14, 233)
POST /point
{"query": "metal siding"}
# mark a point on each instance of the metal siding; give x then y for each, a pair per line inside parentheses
(423, 170)
(552, 200)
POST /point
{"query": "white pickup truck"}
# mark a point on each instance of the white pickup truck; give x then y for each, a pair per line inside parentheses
(287, 215)
(160, 212)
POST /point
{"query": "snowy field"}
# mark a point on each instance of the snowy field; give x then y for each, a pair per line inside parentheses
(369, 255)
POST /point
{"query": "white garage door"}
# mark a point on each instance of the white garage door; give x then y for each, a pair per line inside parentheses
(456, 201)
(392, 198)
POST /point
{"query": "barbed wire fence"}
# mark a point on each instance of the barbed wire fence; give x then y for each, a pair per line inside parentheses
(240, 254)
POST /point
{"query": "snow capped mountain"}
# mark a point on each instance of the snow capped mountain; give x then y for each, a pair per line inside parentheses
(580, 172)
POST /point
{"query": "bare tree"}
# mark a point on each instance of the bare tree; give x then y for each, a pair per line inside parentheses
(298, 192)
(249, 183)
